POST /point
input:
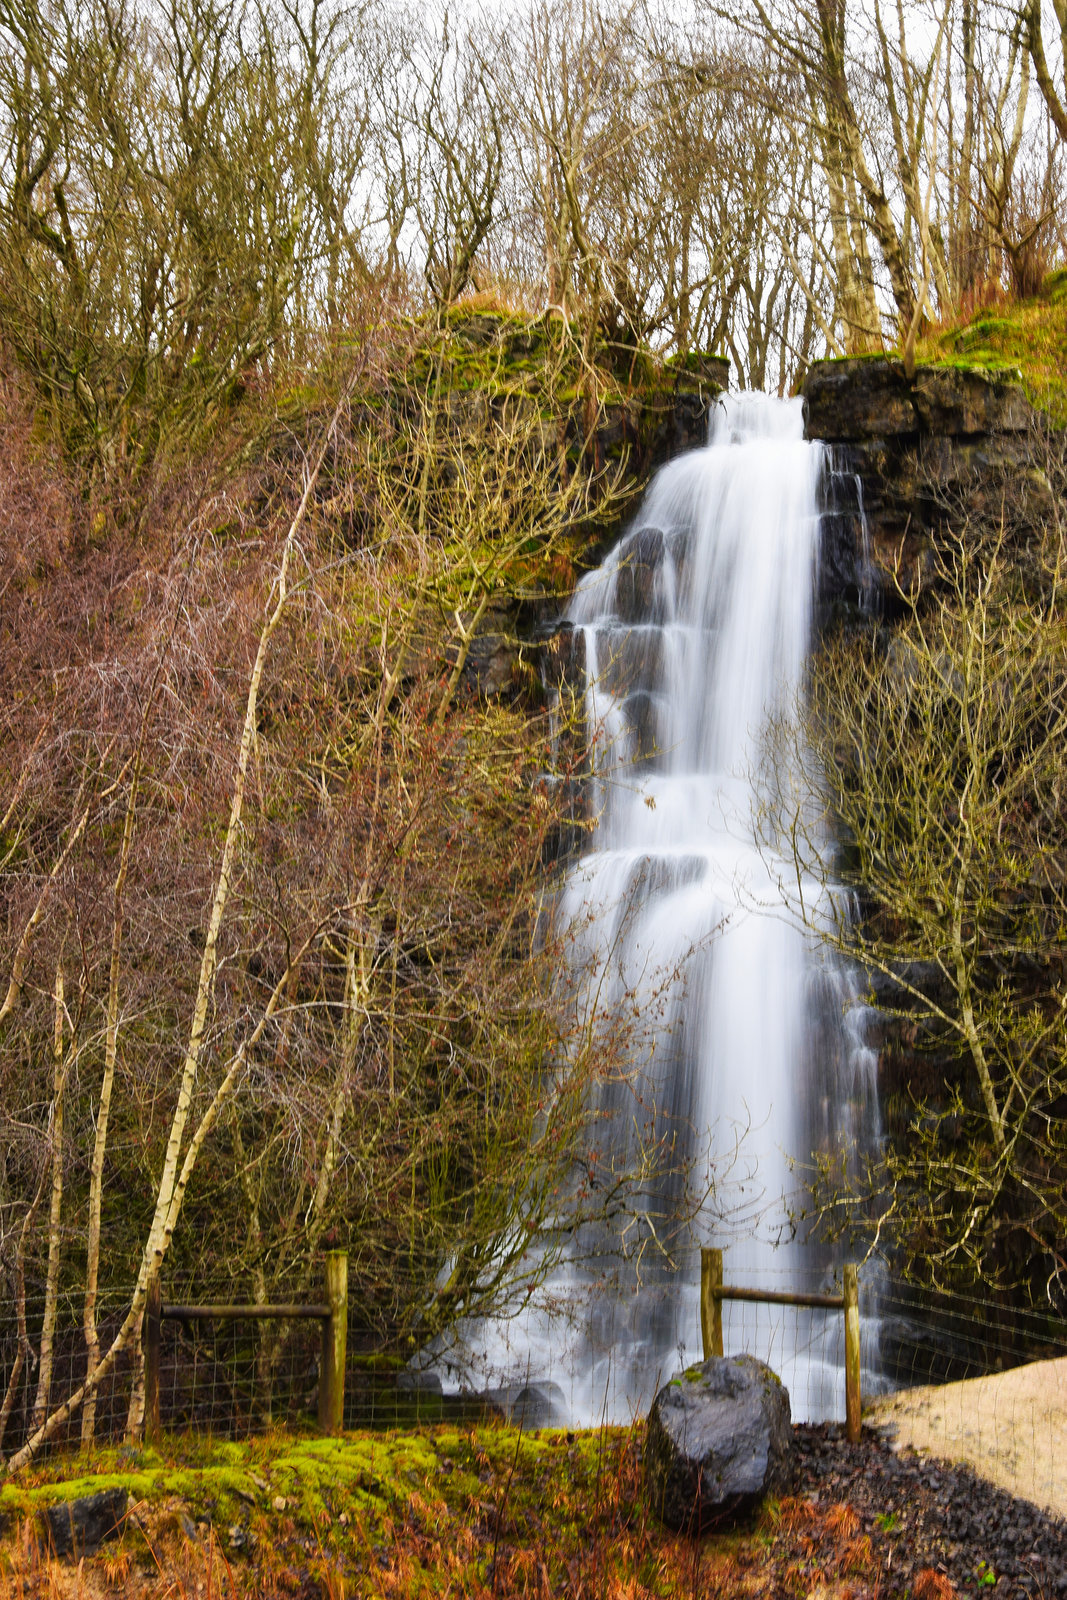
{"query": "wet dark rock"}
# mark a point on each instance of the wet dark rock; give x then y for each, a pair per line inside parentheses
(528, 1405)
(562, 656)
(628, 659)
(936, 452)
(699, 372)
(893, 988)
(873, 398)
(965, 400)
(652, 876)
(865, 398)
(74, 1527)
(718, 1440)
(676, 418)
(492, 665)
(640, 560)
(642, 714)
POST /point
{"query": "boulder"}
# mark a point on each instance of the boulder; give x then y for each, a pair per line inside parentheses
(718, 1440)
(528, 1405)
(74, 1527)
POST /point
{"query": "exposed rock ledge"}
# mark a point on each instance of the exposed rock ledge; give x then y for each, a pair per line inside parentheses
(923, 449)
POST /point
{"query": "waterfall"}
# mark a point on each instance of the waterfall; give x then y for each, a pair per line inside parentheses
(746, 1050)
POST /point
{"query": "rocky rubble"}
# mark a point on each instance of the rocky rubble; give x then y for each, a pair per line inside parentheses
(923, 1515)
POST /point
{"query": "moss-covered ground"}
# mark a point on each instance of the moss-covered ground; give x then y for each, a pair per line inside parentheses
(428, 1512)
(1024, 337)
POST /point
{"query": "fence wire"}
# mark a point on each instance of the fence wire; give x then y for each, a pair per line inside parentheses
(235, 1378)
(21, 1387)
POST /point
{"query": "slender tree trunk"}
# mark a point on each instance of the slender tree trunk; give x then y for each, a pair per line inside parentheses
(1057, 106)
(135, 1409)
(966, 265)
(111, 1037)
(24, 1354)
(857, 306)
(55, 1213)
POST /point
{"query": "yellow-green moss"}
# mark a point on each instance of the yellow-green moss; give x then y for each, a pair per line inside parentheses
(1027, 337)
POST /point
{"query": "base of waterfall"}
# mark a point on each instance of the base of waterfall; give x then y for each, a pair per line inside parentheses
(718, 1440)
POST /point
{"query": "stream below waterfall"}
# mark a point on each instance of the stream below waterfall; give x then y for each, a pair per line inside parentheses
(746, 1050)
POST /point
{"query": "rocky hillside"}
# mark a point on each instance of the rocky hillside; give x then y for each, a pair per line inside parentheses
(937, 696)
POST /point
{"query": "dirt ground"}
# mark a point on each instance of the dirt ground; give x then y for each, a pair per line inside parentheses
(1010, 1427)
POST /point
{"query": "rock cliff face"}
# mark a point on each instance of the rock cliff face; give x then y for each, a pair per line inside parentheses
(910, 453)
(944, 454)
(650, 411)
(665, 418)
(644, 421)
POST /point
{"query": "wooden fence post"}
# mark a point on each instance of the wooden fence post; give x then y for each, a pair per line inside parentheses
(151, 1325)
(852, 1351)
(334, 1344)
(711, 1304)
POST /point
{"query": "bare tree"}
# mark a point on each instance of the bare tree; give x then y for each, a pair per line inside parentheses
(1054, 96)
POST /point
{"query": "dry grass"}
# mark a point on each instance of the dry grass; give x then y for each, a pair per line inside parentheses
(472, 1515)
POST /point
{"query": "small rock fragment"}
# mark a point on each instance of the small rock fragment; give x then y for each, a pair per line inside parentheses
(76, 1526)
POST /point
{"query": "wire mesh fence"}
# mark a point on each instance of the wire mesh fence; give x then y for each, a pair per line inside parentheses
(927, 1337)
(30, 1386)
(228, 1377)
(235, 1378)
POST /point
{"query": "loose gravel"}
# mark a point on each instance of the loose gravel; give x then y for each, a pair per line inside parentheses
(925, 1516)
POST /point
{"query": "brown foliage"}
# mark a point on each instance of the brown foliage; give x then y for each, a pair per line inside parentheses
(373, 1035)
(932, 1585)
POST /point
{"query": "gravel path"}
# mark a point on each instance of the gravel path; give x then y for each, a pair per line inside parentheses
(926, 1515)
(1010, 1426)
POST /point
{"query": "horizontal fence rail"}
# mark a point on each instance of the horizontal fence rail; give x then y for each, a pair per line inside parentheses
(713, 1292)
(332, 1313)
(239, 1378)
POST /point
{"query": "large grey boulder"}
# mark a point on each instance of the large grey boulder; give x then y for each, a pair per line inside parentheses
(718, 1440)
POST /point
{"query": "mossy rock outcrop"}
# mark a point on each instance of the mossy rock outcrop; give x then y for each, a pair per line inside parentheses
(873, 398)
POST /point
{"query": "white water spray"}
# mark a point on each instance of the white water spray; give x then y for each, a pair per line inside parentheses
(749, 1056)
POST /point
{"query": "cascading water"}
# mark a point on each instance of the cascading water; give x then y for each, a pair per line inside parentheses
(745, 1046)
